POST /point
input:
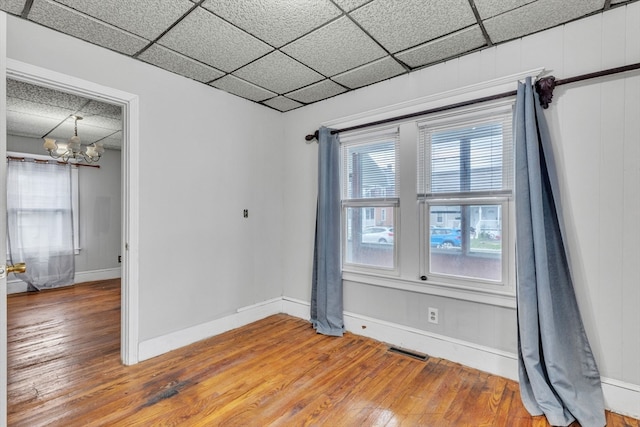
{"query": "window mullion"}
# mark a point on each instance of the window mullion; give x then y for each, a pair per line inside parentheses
(408, 220)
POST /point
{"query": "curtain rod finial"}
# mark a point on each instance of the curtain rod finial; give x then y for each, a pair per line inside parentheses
(311, 137)
(544, 88)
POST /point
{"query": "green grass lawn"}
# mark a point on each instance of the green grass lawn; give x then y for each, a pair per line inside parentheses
(486, 244)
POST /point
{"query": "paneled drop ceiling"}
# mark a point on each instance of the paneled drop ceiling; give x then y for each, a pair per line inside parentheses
(36, 112)
(288, 53)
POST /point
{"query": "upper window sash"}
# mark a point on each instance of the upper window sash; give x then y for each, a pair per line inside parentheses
(370, 165)
(467, 153)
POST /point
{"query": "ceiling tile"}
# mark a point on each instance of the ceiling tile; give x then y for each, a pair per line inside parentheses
(179, 64)
(145, 18)
(282, 104)
(114, 141)
(316, 92)
(43, 95)
(65, 130)
(102, 109)
(376, 71)
(86, 131)
(89, 135)
(31, 125)
(66, 20)
(537, 16)
(446, 47)
(34, 111)
(12, 6)
(334, 48)
(239, 87)
(399, 25)
(489, 8)
(35, 108)
(277, 22)
(349, 5)
(278, 73)
(203, 36)
(109, 124)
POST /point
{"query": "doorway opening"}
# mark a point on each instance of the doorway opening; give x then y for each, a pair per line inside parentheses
(32, 75)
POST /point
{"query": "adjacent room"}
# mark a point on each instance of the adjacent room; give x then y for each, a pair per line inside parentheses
(321, 212)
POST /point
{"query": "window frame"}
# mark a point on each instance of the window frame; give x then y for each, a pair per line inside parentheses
(459, 118)
(364, 138)
(408, 113)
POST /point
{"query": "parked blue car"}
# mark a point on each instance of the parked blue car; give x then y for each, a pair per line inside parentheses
(445, 237)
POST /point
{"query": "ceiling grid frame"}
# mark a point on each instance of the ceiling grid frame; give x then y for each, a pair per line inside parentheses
(288, 56)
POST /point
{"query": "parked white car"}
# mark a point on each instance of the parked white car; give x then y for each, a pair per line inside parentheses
(377, 235)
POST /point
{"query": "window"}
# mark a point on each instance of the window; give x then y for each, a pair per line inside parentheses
(452, 173)
(369, 199)
(48, 202)
(370, 214)
(465, 186)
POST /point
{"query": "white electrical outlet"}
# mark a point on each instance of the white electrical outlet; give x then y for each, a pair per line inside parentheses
(433, 315)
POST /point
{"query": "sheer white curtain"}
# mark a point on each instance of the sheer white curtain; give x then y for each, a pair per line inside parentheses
(40, 222)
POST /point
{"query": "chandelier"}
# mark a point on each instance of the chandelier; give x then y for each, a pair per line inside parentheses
(74, 150)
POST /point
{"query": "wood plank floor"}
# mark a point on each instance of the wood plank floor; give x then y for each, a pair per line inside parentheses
(64, 370)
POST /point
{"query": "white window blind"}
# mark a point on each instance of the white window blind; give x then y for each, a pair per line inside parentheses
(470, 158)
(369, 165)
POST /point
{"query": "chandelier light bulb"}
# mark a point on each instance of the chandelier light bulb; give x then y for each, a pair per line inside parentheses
(50, 144)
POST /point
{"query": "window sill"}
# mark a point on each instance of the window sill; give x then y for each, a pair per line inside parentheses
(482, 296)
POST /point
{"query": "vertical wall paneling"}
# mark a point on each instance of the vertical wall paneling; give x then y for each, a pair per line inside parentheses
(630, 346)
(487, 69)
(544, 49)
(609, 283)
(579, 137)
(509, 58)
(613, 39)
(629, 249)
(582, 41)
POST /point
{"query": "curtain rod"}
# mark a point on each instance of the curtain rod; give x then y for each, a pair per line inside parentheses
(33, 159)
(544, 87)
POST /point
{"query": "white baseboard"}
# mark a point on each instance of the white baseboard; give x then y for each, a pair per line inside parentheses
(486, 359)
(103, 274)
(15, 286)
(296, 308)
(620, 397)
(243, 316)
(475, 356)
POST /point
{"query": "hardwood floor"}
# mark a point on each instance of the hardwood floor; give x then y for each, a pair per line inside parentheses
(64, 370)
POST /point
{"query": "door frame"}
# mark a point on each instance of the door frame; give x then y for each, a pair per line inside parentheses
(28, 73)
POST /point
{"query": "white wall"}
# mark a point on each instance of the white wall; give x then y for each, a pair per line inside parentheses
(99, 209)
(595, 127)
(204, 157)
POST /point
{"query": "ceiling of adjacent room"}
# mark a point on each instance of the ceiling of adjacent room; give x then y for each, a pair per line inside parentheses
(288, 53)
(36, 112)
